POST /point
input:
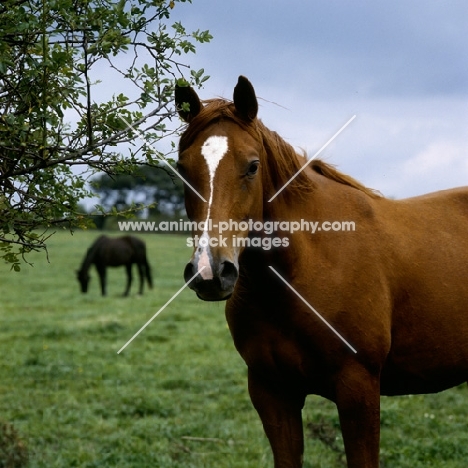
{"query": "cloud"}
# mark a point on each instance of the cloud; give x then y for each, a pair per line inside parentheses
(438, 158)
(336, 48)
(401, 67)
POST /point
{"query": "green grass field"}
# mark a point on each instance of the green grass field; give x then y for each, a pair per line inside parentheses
(177, 395)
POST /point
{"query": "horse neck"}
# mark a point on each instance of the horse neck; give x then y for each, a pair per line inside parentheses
(325, 200)
(89, 257)
(86, 263)
(293, 208)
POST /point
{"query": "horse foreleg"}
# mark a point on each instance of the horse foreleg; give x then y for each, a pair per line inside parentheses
(129, 279)
(358, 403)
(280, 411)
(102, 279)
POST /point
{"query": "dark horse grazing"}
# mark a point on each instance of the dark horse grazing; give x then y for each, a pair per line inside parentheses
(396, 287)
(114, 252)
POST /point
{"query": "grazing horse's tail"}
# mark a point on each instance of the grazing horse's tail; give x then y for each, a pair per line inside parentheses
(148, 273)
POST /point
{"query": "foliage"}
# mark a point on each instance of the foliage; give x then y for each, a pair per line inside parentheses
(152, 186)
(57, 126)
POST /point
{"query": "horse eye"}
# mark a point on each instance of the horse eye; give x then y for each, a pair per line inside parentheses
(253, 168)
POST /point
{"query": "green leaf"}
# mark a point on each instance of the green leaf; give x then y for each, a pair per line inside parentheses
(57, 117)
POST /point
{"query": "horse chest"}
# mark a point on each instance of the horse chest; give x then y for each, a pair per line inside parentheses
(271, 348)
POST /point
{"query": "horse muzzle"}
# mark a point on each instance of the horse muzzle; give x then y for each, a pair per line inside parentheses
(214, 284)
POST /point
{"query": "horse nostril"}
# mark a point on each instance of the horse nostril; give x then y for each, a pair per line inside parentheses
(217, 287)
(189, 271)
(228, 275)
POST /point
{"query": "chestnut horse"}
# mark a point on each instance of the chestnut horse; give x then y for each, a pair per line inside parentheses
(395, 287)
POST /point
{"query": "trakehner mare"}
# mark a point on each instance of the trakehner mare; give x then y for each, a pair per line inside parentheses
(396, 288)
(114, 252)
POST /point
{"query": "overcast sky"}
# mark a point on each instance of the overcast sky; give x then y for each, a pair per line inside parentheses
(401, 67)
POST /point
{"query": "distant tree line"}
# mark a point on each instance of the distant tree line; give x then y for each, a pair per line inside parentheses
(156, 189)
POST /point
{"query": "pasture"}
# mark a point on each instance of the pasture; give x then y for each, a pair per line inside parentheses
(177, 395)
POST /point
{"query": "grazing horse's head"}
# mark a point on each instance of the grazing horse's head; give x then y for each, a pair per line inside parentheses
(83, 279)
(220, 156)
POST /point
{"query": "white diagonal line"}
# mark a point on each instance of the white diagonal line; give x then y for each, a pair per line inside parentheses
(159, 311)
(163, 158)
(313, 310)
(312, 158)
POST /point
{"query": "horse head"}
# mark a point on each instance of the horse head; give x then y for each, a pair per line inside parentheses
(83, 279)
(220, 157)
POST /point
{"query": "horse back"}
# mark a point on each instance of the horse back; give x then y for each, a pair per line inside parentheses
(114, 251)
(429, 231)
(138, 247)
(427, 270)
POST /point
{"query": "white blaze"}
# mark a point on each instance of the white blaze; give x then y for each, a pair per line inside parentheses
(213, 150)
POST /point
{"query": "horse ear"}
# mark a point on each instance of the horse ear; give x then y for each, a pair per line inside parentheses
(187, 102)
(245, 100)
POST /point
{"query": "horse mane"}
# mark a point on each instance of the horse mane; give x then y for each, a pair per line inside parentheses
(330, 172)
(283, 159)
(90, 253)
